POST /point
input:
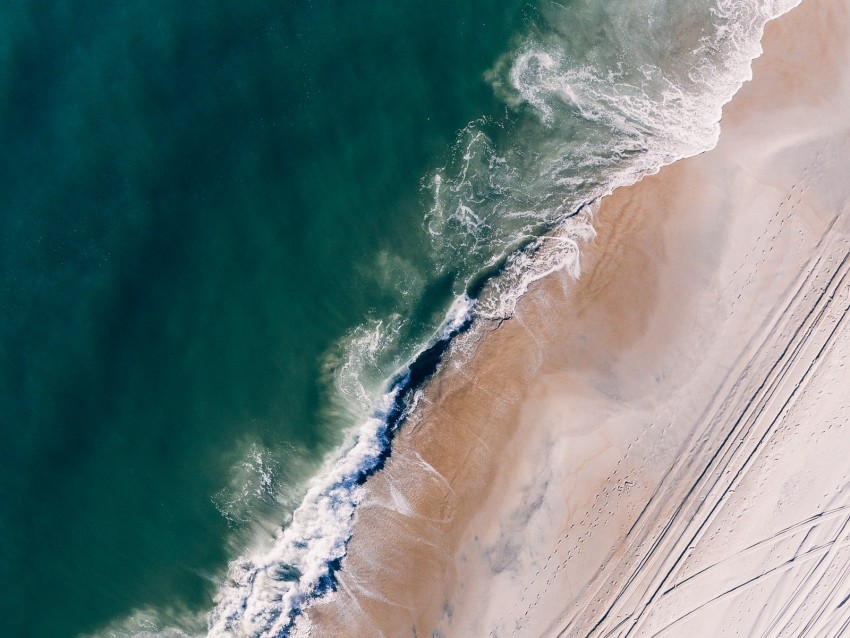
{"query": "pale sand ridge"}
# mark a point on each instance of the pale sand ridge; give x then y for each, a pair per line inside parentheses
(661, 448)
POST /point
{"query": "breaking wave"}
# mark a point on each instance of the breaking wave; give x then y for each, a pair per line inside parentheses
(264, 593)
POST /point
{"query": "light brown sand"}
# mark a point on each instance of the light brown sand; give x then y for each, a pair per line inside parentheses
(602, 464)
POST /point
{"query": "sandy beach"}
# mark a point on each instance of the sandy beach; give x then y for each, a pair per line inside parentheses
(658, 448)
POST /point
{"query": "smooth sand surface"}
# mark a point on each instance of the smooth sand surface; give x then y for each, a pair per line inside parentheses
(662, 447)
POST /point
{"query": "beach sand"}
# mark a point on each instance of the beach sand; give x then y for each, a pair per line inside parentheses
(659, 448)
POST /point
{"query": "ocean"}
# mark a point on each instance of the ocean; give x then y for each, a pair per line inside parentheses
(234, 239)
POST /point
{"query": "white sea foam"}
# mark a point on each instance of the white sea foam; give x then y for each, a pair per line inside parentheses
(459, 313)
(588, 124)
(264, 592)
(255, 482)
(355, 363)
(559, 250)
(262, 487)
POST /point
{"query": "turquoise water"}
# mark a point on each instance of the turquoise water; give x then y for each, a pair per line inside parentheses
(224, 226)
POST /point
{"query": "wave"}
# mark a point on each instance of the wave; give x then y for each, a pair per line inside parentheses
(589, 115)
(514, 202)
(265, 593)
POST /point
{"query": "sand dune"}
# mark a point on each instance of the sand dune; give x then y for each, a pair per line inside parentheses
(659, 448)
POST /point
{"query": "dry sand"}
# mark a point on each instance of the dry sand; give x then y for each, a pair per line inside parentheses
(661, 448)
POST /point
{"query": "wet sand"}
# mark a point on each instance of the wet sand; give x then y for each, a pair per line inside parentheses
(659, 447)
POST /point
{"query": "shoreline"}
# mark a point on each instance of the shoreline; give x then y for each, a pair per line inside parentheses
(435, 515)
(271, 584)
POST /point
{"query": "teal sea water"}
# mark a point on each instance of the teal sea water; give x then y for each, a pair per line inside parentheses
(198, 201)
(225, 226)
